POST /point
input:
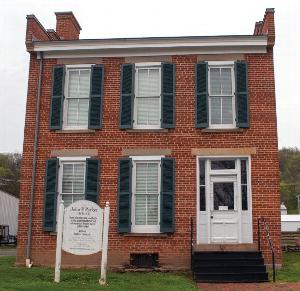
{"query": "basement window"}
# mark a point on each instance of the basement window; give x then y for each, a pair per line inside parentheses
(144, 260)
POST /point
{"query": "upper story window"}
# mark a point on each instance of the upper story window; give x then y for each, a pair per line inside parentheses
(221, 96)
(147, 96)
(77, 89)
(76, 97)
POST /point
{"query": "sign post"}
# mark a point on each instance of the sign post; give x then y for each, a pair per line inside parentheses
(102, 280)
(60, 223)
(82, 230)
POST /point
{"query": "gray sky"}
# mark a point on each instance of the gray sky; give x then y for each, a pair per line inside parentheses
(130, 18)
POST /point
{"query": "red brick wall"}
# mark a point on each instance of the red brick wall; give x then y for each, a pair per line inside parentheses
(173, 249)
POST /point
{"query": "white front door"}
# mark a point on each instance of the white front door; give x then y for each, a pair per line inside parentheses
(224, 209)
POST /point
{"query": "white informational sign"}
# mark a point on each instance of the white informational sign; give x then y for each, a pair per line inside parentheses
(82, 229)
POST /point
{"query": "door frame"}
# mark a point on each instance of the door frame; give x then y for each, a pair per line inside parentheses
(249, 190)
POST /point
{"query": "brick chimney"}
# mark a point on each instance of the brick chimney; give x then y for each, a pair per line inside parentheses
(267, 26)
(67, 26)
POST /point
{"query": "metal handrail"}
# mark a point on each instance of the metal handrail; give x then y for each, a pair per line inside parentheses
(262, 221)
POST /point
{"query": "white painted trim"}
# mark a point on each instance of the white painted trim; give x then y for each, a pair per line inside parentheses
(73, 159)
(147, 43)
(146, 65)
(220, 63)
(151, 46)
(144, 228)
(228, 172)
(223, 64)
(65, 101)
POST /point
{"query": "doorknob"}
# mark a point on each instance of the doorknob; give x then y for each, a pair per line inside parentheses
(211, 217)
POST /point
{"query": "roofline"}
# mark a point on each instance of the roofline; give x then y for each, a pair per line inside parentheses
(153, 45)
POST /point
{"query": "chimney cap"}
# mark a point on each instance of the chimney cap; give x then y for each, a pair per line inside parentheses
(270, 10)
(69, 13)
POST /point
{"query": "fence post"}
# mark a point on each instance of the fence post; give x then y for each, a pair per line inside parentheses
(102, 280)
(60, 222)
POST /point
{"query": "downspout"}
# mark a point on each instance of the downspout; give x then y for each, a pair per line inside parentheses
(35, 147)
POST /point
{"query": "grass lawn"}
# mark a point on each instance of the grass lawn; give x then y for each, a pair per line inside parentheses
(37, 278)
(290, 271)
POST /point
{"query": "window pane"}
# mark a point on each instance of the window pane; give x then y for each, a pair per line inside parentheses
(215, 110)
(67, 179)
(83, 111)
(72, 111)
(202, 199)
(226, 81)
(152, 209)
(223, 164)
(73, 85)
(69, 199)
(140, 209)
(79, 173)
(147, 193)
(223, 195)
(243, 171)
(84, 83)
(148, 111)
(202, 171)
(227, 110)
(215, 81)
(148, 82)
(244, 198)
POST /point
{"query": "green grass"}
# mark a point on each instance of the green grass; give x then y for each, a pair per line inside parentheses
(38, 278)
(290, 271)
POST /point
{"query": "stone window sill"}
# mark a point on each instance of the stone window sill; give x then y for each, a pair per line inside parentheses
(135, 234)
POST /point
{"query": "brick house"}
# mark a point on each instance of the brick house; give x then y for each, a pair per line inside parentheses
(167, 129)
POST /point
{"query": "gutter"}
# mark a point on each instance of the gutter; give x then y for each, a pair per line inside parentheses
(35, 147)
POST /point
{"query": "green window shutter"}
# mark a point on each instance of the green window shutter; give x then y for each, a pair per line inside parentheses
(96, 96)
(241, 93)
(57, 97)
(127, 96)
(50, 195)
(168, 96)
(202, 109)
(92, 180)
(167, 196)
(124, 195)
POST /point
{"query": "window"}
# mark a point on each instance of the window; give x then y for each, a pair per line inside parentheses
(202, 185)
(77, 90)
(146, 193)
(221, 96)
(147, 112)
(72, 181)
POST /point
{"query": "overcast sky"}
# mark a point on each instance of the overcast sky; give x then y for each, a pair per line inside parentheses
(128, 18)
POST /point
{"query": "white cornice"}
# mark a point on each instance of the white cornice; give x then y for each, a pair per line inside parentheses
(152, 46)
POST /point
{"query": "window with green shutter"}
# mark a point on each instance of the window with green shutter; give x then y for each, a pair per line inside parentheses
(167, 198)
(148, 96)
(124, 195)
(242, 103)
(57, 97)
(50, 195)
(96, 96)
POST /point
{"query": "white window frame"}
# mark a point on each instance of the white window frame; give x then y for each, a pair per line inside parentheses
(138, 66)
(144, 228)
(223, 64)
(65, 126)
(62, 160)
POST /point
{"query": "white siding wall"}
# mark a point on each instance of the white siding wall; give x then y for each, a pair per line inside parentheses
(9, 209)
(290, 222)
